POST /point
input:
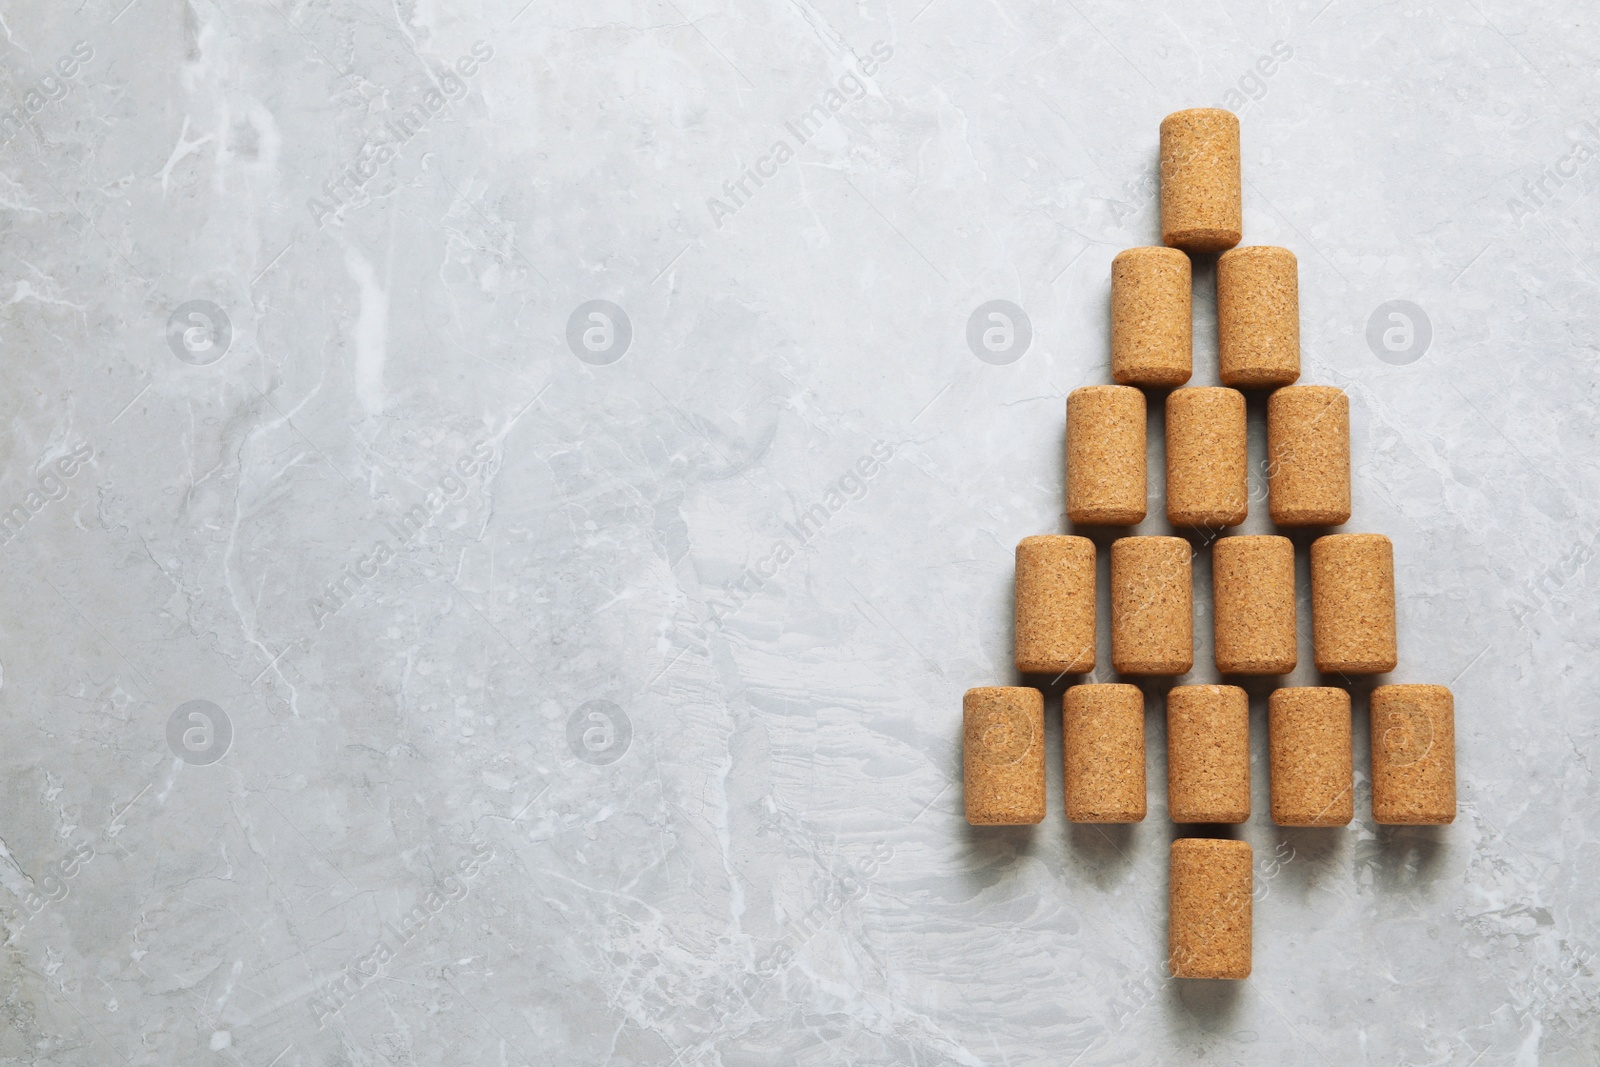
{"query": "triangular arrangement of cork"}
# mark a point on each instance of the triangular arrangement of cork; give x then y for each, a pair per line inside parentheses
(1253, 582)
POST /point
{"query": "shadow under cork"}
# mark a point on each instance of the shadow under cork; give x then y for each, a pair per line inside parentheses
(1304, 858)
(1217, 831)
(1212, 1003)
(1359, 686)
(1102, 536)
(1108, 848)
(1412, 855)
(1303, 536)
(1258, 687)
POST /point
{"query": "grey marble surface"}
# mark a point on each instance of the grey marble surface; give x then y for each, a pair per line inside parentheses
(532, 730)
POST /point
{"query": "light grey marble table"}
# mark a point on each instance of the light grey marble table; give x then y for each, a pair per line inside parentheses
(500, 506)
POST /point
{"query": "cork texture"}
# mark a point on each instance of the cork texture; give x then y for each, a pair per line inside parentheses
(1209, 909)
(1308, 456)
(1206, 458)
(1152, 331)
(1002, 748)
(1105, 455)
(1102, 730)
(1258, 317)
(1200, 206)
(1152, 606)
(1352, 604)
(1308, 743)
(1252, 594)
(1055, 605)
(1413, 755)
(1208, 754)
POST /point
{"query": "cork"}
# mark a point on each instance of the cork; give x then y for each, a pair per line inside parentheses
(1152, 333)
(1055, 605)
(1208, 754)
(1105, 455)
(1258, 317)
(1200, 210)
(1102, 728)
(1252, 594)
(1002, 742)
(1308, 456)
(1308, 741)
(1152, 606)
(1413, 754)
(1352, 603)
(1208, 932)
(1206, 460)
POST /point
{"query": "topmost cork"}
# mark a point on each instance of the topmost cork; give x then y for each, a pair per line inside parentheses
(1200, 180)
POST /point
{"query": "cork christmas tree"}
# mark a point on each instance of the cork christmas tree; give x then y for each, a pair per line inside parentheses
(1308, 482)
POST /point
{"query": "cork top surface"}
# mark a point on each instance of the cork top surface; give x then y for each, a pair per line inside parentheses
(1181, 691)
(1197, 116)
(1004, 692)
(1414, 689)
(1351, 540)
(1214, 393)
(1055, 541)
(1107, 689)
(1242, 541)
(1123, 392)
(1150, 541)
(1174, 255)
(1257, 252)
(1214, 846)
(1308, 692)
(1328, 393)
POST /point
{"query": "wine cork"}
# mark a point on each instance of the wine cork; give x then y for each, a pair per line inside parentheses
(1102, 728)
(1208, 754)
(1258, 317)
(1152, 332)
(1352, 603)
(1002, 744)
(1152, 606)
(1200, 208)
(1308, 456)
(1055, 605)
(1413, 754)
(1209, 912)
(1308, 739)
(1252, 593)
(1105, 455)
(1206, 460)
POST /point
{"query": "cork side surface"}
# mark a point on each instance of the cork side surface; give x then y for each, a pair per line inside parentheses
(1209, 909)
(1055, 623)
(1312, 781)
(1208, 754)
(1352, 604)
(1002, 749)
(1308, 456)
(1152, 331)
(1102, 729)
(1258, 317)
(1106, 455)
(1152, 606)
(1253, 623)
(1413, 755)
(1200, 180)
(1206, 458)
